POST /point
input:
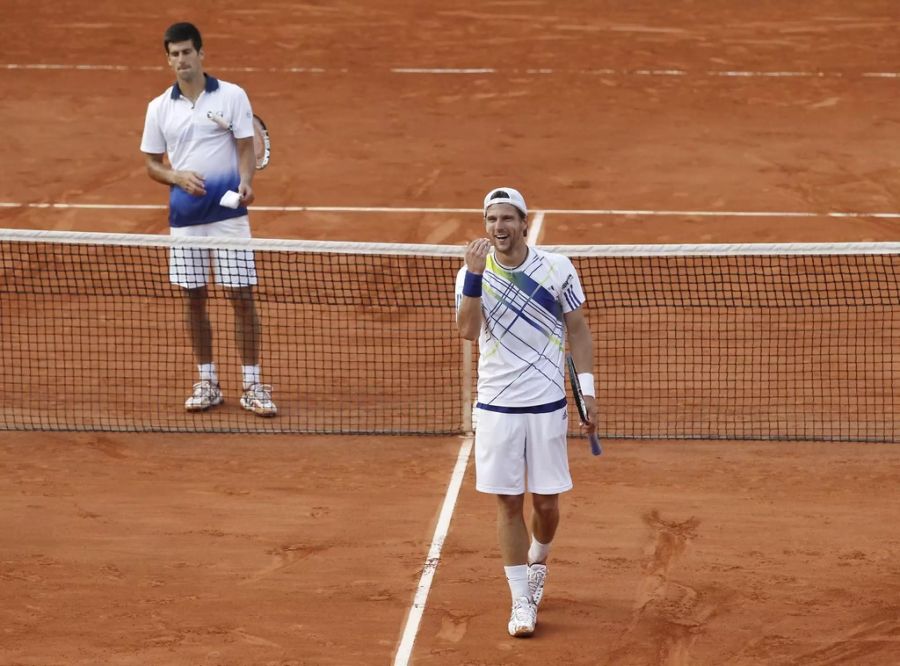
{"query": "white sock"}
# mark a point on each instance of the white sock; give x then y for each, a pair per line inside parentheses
(208, 373)
(538, 551)
(251, 375)
(517, 577)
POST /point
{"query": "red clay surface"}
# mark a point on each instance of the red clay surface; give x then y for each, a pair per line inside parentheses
(189, 549)
(183, 549)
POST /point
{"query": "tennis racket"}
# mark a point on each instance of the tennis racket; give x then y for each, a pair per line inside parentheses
(596, 449)
(262, 144)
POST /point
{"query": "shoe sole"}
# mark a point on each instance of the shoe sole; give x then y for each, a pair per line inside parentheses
(522, 633)
(257, 411)
(202, 408)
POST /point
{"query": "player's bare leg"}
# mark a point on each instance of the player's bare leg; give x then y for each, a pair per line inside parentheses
(513, 536)
(544, 521)
(198, 322)
(545, 518)
(206, 392)
(511, 530)
(247, 328)
(257, 397)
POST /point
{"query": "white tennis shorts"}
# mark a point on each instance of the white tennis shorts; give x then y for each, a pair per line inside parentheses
(511, 449)
(189, 267)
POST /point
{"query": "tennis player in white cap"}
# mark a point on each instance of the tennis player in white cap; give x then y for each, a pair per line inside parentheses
(520, 302)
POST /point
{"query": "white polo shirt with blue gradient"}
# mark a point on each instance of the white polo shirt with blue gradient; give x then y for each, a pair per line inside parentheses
(193, 142)
(521, 367)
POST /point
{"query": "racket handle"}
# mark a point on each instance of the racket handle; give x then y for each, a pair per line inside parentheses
(219, 120)
(596, 449)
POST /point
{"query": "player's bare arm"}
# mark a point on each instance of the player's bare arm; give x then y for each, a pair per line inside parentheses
(582, 347)
(468, 318)
(189, 181)
(246, 167)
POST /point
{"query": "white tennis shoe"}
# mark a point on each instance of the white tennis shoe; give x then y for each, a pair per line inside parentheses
(205, 395)
(536, 575)
(523, 617)
(258, 399)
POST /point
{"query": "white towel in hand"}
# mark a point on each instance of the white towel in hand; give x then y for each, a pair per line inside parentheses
(230, 199)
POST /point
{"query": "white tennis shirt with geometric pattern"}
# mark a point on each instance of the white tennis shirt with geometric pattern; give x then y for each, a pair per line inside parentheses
(522, 340)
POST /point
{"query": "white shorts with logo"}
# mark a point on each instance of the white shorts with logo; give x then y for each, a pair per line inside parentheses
(515, 452)
(189, 267)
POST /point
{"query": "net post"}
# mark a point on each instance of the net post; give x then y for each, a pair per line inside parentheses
(467, 380)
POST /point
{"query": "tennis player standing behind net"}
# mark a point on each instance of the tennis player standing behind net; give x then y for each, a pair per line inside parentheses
(206, 161)
(519, 302)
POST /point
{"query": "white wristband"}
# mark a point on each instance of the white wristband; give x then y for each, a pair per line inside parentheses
(586, 379)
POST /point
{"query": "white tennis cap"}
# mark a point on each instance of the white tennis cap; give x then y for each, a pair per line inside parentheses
(505, 195)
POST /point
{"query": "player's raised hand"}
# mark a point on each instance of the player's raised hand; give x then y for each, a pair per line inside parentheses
(476, 255)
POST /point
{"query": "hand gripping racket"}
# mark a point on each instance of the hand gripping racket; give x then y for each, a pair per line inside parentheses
(596, 449)
(262, 145)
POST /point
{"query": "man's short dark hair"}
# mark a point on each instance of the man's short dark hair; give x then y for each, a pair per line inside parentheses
(181, 32)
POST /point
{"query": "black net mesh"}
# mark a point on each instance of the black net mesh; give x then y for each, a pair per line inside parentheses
(783, 346)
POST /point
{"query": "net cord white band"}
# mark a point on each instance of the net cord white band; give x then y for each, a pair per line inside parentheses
(674, 250)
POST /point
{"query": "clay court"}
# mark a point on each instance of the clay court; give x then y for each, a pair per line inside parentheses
(623, 123)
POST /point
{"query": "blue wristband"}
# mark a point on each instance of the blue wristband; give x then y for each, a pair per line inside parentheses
(472, 285)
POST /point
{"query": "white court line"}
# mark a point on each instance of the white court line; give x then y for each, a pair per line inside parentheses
(536, 228)
(443, 70)
(722, 213)
(479, 71)
(73, 206)
(601, 212)
(404, 650)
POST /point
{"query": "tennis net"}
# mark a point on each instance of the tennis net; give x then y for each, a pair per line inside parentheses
(723, 342)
